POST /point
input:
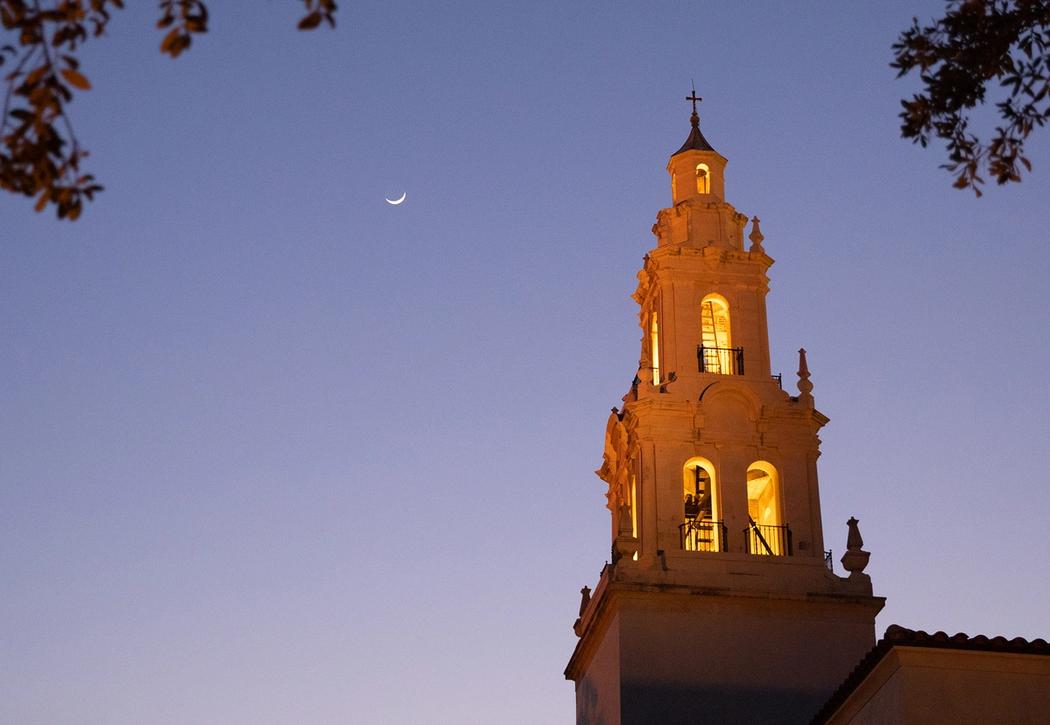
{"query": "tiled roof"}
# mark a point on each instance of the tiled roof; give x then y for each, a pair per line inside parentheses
(900, 636)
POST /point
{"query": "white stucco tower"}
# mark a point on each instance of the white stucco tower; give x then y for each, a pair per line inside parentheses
(720, 604)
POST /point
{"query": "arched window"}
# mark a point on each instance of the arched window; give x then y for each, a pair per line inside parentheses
(701, 529)
(715, 337)
(654, 346)
(766, 533)
(703, 179)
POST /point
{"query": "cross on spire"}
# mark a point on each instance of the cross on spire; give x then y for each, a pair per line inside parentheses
(695, 118)
(694, 98)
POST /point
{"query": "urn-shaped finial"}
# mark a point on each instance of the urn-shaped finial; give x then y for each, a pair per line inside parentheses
(585, 599)
(855, 559)
(756, 236)
(805, 387)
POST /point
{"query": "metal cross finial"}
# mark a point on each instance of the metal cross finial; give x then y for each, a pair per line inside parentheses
(694, 98)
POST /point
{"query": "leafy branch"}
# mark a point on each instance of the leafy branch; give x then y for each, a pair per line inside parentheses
(957, 57)
(40, 155)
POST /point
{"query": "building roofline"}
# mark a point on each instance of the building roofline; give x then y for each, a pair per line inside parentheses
(897, 636)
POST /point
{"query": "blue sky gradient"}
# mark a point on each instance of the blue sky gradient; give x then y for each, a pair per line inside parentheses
(275, 451)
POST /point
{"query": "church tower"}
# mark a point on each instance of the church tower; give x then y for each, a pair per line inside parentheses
(720, 603)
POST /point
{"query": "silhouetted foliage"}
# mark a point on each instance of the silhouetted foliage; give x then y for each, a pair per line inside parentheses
(957, 57)
(39, 153)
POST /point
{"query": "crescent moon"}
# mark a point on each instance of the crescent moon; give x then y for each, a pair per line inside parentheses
(395, 202)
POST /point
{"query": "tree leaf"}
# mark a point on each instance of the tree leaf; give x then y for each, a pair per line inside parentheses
(75, 78)
(311, 21)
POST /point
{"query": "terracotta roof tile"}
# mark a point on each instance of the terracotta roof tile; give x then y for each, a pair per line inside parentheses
(897, 636)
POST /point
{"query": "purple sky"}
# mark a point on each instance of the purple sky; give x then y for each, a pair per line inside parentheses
(275, 451)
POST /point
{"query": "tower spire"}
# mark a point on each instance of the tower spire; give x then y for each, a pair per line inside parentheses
(696, 140)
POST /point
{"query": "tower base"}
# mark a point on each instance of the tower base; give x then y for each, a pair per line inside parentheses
(721, 640)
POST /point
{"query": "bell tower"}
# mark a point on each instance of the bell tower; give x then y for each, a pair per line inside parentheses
(720, 603)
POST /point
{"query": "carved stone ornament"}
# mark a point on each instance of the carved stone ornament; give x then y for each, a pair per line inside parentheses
(662, 228)
(855, 559)
(615, 467)
(805, 387)
(756, 236)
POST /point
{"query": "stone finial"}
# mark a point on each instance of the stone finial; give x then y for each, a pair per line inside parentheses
(756, 236)
(805, 387)
(585, 599)
(855, 559)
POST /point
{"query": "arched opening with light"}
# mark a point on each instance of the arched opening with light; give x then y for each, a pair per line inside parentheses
(654, 346)
(717, 354)
(701, 529)
(703, 179)
(766, 533)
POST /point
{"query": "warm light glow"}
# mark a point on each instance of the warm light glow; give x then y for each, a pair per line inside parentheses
(700, 494)
(654, 347)
(763, 508)
(714, 333)
(674, 188)
(703, 179)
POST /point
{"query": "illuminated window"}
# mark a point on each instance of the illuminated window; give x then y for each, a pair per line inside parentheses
(703, 179)
(674, 188)
(654, 346)
(715, 336)
(701, 531)
(765, 534)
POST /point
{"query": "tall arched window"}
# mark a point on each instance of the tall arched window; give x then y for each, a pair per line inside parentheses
(766, 533)
(716, 338)
(703, 179)
(701, 530)
(654, 346)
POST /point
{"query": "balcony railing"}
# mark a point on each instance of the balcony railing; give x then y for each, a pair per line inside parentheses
(703, 535)
(827, 561)
(721, 360)
(768, 540)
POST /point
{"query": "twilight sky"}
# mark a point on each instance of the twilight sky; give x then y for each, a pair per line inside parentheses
(274, 451)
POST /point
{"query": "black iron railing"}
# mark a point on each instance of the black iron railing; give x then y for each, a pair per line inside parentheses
(827, 561)
(779, 378)
(721, 360)
(703, 535)
(768, 540)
